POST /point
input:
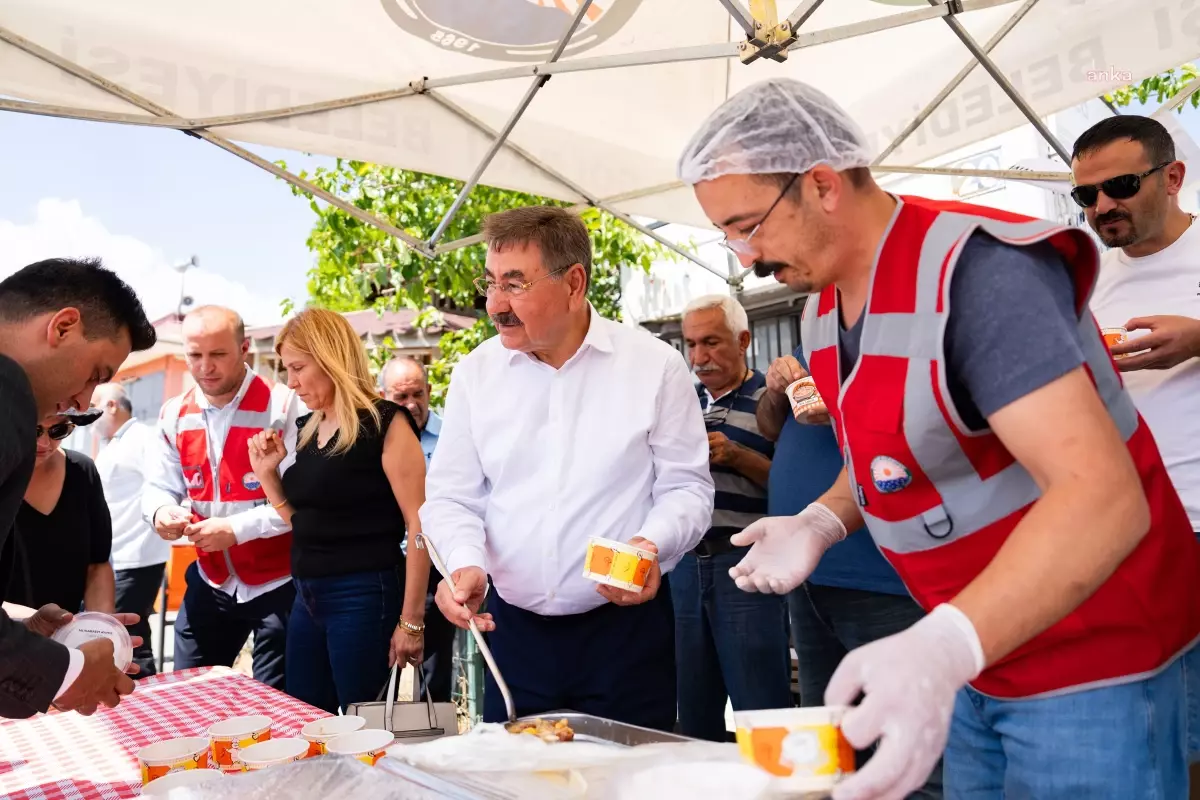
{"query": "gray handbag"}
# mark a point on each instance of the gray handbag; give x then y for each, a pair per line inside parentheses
(414, 721)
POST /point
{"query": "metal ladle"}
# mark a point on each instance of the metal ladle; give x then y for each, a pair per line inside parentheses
(423, 542)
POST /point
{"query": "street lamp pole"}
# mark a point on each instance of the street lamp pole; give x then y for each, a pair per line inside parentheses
(184, 299)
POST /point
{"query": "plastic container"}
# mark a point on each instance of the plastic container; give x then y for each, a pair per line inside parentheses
(90, 625)
(617, 564)
(318, 732)
(367, 746)
(802, 747)
(171, 757)
(229, 737)
(805, 398)
(1114, 337)
(273, 752)
(180, 780)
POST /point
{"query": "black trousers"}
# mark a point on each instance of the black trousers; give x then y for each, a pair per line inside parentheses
(137, 589)
(212, 627)
(616, 662)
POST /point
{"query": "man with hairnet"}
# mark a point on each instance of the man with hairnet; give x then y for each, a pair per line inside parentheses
(992, 453)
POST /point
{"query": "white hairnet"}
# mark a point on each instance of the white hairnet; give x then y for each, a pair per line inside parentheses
(777, 126)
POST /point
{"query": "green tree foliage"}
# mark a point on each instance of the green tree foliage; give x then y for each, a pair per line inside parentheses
(359, 266)
(1160, 88)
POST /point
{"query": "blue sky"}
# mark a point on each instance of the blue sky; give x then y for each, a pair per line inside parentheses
(145, 199)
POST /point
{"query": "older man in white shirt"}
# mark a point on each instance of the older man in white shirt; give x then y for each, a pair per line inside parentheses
(566, 426)
(139, 555)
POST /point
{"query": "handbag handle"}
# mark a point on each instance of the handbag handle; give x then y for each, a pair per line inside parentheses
(391, 692)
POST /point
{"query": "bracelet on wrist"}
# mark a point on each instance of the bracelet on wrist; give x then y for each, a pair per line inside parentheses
(280, 504)
(411, 628)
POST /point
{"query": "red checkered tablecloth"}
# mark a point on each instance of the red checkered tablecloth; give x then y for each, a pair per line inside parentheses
(73, 757)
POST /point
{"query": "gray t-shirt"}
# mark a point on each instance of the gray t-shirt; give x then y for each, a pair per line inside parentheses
(1012, 328)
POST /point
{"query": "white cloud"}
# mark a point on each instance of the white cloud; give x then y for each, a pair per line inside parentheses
(61, 229)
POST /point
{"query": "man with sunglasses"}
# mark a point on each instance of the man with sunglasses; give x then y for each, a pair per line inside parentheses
(1127, 180)
(66, 325)
(993, 455)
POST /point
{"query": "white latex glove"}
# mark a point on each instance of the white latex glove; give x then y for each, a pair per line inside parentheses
(785, 550)
(909, 681)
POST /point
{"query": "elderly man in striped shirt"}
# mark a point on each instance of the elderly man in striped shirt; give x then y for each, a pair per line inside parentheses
(727, 642)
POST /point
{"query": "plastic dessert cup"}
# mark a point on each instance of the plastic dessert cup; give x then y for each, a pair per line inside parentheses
(367, 746)
(617, 564)
(273, 752)
(230, 737)
(90, 625)
(171, 757)
(319, 732)
(802, 747)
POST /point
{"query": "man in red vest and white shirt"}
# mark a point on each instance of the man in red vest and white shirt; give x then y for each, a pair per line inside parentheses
(993, 455)
(241, 583)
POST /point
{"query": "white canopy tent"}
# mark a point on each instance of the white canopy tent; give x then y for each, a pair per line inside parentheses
(588, 101)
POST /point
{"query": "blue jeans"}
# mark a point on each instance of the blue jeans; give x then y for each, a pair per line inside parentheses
(828, 622)
(1126, 742)
(727, 642)
(338, 638)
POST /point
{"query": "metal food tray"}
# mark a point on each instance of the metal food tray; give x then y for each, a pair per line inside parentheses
(599, 730)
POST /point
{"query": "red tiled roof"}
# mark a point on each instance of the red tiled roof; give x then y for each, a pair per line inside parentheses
(371, 322)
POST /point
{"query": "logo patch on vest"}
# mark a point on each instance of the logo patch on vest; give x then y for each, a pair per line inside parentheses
(250, 481)
(193, 477)
(889, 475)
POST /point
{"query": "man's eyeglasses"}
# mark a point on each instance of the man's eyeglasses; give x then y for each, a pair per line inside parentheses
(510, 287)
(57, 432)
(1122, 187)
(741, 246)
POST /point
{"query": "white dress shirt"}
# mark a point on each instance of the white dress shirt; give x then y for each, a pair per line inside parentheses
(531, 461)
(165, 485)
(120, 464)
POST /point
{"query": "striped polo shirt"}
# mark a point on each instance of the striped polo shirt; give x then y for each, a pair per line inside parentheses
(739, 501)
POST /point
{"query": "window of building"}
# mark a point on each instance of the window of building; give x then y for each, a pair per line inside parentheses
(146, 395)
(772, 337)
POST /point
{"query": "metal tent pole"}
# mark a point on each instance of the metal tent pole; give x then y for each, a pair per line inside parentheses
(137, 100)
(740, 15)
(504, 132)
(955, 81)
(546, 169)
(986, 62)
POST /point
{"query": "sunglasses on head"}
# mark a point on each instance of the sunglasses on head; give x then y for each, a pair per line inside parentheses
(58, 431)
(1122, 187)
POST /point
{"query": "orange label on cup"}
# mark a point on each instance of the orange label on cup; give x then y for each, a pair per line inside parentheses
(601, 560)
(225, 751)
(153, 772)
(315, 749)
(801, 751)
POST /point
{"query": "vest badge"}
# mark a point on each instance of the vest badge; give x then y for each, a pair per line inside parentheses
(889, 475)
(251, 482)
(193, 477)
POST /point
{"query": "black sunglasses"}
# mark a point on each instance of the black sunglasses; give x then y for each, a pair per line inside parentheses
(58, 431)
(1122, 187)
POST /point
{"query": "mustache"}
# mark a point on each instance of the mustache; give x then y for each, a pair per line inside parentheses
(707, 368)
(1111, 216)
(505, 318)
(765, 269)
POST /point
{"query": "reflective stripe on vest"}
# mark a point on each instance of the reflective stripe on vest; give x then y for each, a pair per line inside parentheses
(945, 499)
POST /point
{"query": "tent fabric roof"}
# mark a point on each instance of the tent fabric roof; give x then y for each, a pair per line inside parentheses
(614, 132)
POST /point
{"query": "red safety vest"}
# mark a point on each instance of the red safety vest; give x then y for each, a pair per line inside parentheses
(940, 500)
(234, 488)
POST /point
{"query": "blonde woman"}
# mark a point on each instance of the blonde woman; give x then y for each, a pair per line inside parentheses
(357, 481)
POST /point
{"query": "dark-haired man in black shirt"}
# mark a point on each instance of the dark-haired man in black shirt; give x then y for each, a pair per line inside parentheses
(66, 325)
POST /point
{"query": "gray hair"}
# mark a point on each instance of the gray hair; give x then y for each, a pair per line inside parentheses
(398, 360)
(117, 393)
(735, 315)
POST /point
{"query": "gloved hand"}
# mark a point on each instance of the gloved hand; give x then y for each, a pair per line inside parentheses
(909, 681)
(785, 550)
